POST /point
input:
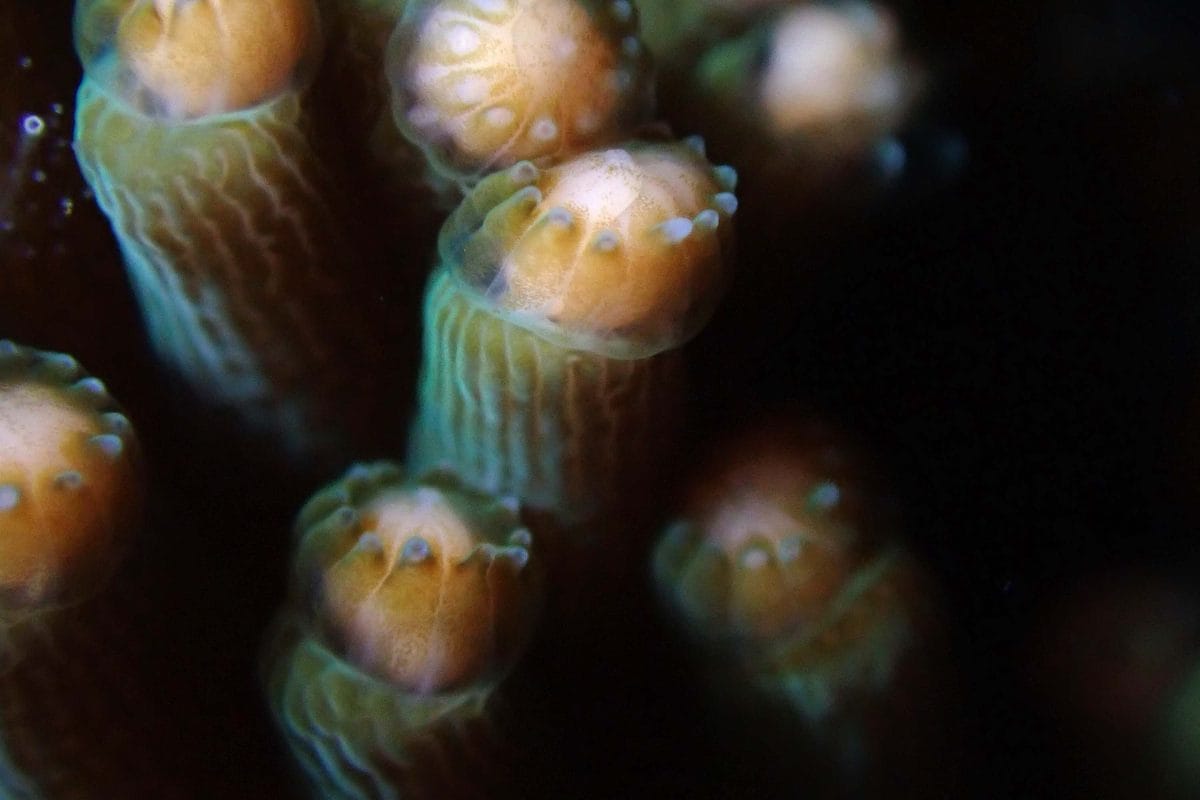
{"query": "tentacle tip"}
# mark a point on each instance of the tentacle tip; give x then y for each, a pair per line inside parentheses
(109, 444)
(10, 496)
(726, 202)
(415, 551)
(68, 479)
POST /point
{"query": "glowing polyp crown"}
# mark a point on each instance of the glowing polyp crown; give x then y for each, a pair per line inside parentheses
(830, 64)
(770, 535)
(621, 252)
(425, 585)
(182, 59)
(481, 84)
(70, 484)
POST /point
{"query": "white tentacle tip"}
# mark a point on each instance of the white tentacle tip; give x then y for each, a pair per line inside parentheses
(676, 229)
(560, 217)
(622, 10)
(521, 538)
(10, 496)
(695, 144)
(606, 241)
(109, 444)
(707, 220)
(8, 348)
(523, 173)
(369, 542)
(117, 422)
(726, 176)
(91, 386)
(726, 202)
(415, 551)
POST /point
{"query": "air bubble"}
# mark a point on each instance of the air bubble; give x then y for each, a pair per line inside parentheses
(33, 125)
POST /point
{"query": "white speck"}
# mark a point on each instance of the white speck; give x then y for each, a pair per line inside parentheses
(789, 549)
(57, 108)
(32, 125)
(423, 116)
(92, 386)
(587, 121)
(25, 62)
(544, 129)
(825, 495)
(707, 220)
(564, 47)
(560, 217)
(676, 229)
(891, 157)
(499, 116)
(462, 40)
(108, 444)
(726, 176)
(9, 497)
(755, 558)
(415, 551)
(38, 176)
(67, 206)
(369, 543)
(472, 89)
(523, 172)
(726, 202)
(521, 538)
(117, 423)
(519, 556)
(491, 6)
(607, 241)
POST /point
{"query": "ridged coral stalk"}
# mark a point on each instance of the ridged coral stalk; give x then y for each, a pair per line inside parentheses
(411, 601)
(191, 127)
(74, 719)
(550, 368)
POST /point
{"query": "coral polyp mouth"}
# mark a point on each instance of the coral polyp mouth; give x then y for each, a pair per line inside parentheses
(425, 585)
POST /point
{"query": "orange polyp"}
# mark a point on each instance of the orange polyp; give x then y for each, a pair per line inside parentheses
(482, 84)
(70, 489)
(213, 56)
(422, 586)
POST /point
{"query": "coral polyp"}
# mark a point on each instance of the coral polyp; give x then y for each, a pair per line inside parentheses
(232, 230)
(552, 322)
(411, 601)
(769, 539)
(71, 496)
(482, 84)
(70, 484)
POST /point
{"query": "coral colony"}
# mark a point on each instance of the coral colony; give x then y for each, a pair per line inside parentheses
(580, 246)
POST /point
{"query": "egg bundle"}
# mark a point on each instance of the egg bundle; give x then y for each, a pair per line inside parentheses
(285, 179)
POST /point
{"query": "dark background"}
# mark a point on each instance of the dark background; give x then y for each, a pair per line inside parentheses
(1012, 330)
